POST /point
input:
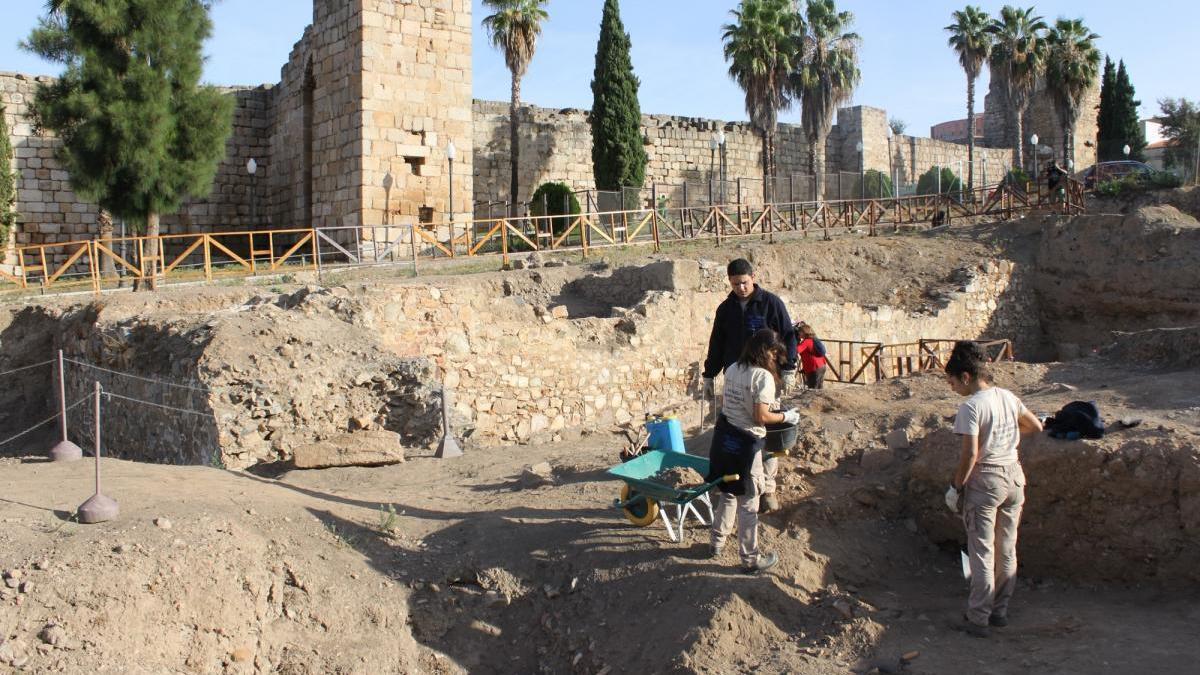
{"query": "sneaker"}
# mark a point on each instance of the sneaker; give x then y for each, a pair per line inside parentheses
(998, 621)
(765, 562)
(714, 550)
(768, 503)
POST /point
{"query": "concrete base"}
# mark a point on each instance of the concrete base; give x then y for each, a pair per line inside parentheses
(448, 448)
(65, 451)
(98, 509)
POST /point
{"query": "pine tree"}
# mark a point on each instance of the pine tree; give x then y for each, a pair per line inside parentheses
(1108, 144)
(8, 184)
(139, 133)
(618, 157)
(1127, 125)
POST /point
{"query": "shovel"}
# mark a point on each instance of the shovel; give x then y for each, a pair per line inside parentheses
(966, 563)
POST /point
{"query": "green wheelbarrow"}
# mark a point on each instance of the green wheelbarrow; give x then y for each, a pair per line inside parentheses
(644, 500)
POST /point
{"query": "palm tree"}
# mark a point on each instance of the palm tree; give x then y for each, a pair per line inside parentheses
(763, 47)
(1073, 65)
(1018, 60)
(826, 78)
(970, 39)
(514, 29)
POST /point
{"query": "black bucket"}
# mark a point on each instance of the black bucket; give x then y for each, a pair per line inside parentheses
(781, 437)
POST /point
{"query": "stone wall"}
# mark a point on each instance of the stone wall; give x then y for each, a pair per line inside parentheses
(1040, 118)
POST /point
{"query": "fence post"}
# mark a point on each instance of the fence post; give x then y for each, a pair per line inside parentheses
(504, 243)
(98, 508)
(739, 204)
(64, 450)
(412, 242)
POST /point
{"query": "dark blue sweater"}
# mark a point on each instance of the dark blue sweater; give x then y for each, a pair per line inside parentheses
(732, 327)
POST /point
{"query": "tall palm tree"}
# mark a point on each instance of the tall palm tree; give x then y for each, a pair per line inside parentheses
(1073, 65)
(514, 29)
(970, 39)
(826, 78)
(1018, 60)
(763, 47)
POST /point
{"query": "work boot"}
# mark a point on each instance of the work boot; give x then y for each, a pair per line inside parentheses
(764, 563)
(768, 503)
(714, 550)
(998, 621)
(974, 629)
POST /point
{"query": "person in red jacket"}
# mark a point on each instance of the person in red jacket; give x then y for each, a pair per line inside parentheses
(812, 356)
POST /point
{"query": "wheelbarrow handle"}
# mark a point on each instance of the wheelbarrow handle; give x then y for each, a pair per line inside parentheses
(730, 478)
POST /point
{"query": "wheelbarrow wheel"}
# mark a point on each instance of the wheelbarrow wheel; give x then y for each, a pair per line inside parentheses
(641, 513)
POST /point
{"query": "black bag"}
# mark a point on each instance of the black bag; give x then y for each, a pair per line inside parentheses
(1079, 417)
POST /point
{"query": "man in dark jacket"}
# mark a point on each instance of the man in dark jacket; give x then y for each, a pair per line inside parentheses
(747, 309)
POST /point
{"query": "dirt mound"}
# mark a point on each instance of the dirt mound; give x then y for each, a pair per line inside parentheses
(1125, 508)
(1166, 348)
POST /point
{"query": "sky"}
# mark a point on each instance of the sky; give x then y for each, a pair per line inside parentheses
(906, 66)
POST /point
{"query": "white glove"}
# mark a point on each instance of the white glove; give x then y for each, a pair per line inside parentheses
(708, 392)
(791, 416)
(788, 380)
(952, 495)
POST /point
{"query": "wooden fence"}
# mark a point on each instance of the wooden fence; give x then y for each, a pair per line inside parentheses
(862, 362)
(80, 265)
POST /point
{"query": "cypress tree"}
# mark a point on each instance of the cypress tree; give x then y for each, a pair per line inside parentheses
(618, 157)
(1107, 146)
(139, 133)
(8, 184)
(1127, 125)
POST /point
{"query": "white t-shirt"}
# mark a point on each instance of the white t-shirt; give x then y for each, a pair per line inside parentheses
(991, 414)
(745, 386)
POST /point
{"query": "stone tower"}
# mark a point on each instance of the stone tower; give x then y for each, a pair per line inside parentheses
(370, 99)
(1041, 119)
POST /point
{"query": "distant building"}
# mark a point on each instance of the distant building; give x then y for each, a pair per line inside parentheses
(1156, 143)
(955, 131)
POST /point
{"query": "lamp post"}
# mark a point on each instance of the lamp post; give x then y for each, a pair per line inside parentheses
(862, 175)
(451, 152)
(712, 162)
(252, 170)
(1033, 140)
(890, 133)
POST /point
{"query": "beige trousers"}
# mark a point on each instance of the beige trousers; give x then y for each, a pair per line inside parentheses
(743, 509)
(992, 505)
(770, 469)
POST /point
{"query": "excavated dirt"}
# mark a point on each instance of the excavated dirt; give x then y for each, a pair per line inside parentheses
(445, 566)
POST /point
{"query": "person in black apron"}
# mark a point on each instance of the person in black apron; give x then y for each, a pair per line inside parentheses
(738, 438)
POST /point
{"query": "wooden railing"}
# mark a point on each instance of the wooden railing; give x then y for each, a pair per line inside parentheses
(80, 265)
(863, 362)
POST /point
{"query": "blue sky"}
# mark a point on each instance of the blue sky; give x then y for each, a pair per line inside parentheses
(906, 65)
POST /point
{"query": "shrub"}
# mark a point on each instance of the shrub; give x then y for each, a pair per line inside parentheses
(927, 184)
(875, 185)
(1134, 183)
(555, 199)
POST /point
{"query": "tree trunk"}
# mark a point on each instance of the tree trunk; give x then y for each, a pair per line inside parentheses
(816, 164)
(108, 266)
(514, 144)
(1019, 146)
(150, 250)
(766, 167)
(970, 133)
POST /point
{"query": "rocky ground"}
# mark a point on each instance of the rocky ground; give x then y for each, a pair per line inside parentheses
(512, 558)
(488, 566)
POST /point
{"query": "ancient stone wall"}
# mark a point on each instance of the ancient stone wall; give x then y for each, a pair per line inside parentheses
(416, 102)
(1041, 118)
(49, 211)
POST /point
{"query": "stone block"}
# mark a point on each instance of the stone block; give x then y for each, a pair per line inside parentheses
(361, 448)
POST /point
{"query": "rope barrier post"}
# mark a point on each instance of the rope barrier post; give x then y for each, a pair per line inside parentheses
(448, 447)
(98, 508)
(64, 450)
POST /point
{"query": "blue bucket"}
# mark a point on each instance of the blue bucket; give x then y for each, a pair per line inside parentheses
(666, 434)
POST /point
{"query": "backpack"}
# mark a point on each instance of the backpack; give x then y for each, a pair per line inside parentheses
(818, 348)
(1077, 418)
